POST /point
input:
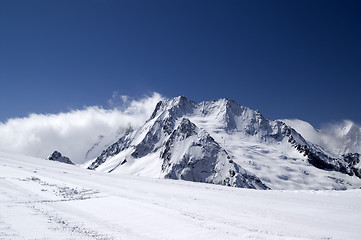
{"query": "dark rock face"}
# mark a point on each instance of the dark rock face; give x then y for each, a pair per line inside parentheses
(56, 156)
(351, 160)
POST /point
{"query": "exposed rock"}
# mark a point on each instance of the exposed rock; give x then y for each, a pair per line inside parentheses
(56, 156)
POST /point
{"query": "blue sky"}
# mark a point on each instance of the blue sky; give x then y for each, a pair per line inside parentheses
(289, 59)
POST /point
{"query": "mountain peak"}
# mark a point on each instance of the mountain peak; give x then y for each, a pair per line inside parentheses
(177, 105)
(181, 102)
(181, 98)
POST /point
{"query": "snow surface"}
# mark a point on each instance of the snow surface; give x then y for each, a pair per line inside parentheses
(41, 199)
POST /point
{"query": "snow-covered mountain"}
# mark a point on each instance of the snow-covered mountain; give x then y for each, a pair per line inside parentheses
(224, 143)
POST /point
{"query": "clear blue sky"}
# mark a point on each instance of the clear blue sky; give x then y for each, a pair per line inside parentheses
(289, 59)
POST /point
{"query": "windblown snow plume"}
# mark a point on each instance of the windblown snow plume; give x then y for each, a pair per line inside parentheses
(79, 134)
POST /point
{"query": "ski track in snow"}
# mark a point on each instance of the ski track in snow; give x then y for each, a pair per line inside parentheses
(42, 199)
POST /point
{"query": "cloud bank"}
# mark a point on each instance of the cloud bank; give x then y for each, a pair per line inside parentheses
(337, 137)
(82, 134)
(78, 134)
(343, 136)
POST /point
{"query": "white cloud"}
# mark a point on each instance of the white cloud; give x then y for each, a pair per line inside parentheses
(74, 133)
(343, 136)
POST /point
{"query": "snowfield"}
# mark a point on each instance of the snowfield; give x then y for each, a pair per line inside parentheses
(42, 199)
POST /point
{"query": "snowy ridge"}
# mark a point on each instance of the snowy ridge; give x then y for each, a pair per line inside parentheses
(337, 139)
(103, 142)
(224, 143)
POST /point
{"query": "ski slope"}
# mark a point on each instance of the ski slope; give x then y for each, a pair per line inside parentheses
(41, 199)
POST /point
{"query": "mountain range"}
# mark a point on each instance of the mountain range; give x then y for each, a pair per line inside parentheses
(222, 142)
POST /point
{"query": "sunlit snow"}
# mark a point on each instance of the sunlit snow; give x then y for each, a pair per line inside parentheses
(41, 199)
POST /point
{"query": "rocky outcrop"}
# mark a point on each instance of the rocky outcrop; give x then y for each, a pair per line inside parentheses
(56, 156)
